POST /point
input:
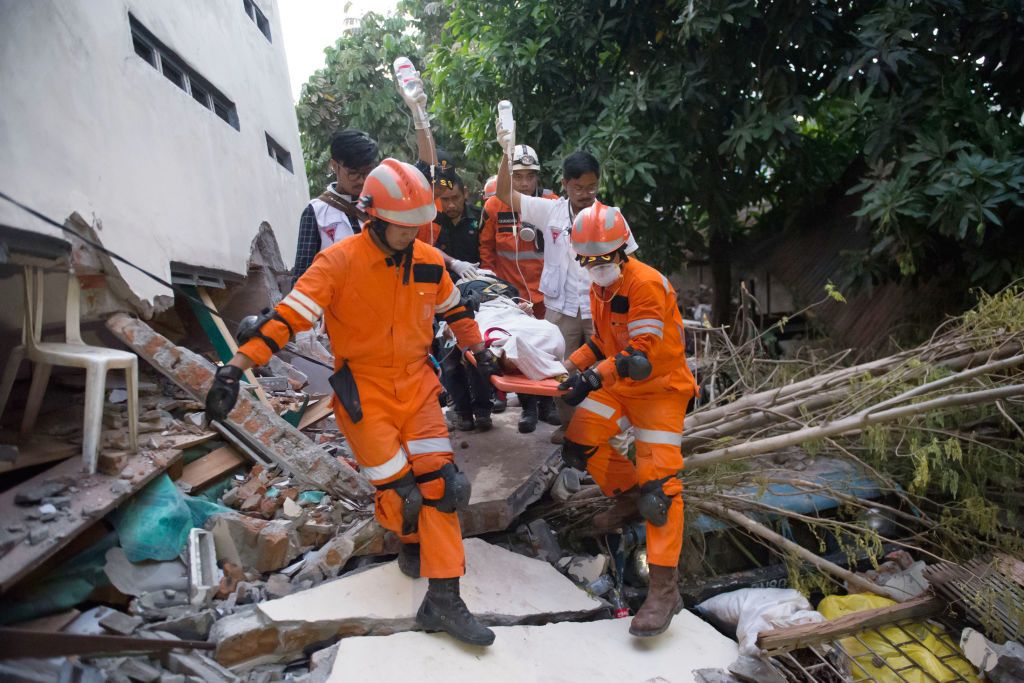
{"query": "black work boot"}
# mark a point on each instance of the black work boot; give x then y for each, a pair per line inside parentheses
(409, 560)
(499, 403)
(546, 411)
(483, 422)
(465, 423)
(663, 602)
(444, 610)
(528, 419)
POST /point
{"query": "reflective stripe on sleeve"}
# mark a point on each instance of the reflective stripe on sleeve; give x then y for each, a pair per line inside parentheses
(303, 305)
(645, 322)
(656, 331)
(450, 302)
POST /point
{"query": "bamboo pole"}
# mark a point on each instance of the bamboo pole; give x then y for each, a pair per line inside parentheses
(758, 529)
(861, 420)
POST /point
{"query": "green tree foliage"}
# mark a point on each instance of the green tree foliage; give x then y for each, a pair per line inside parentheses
(714, 118)
(935, 100)
(356, 89)
(686, 106)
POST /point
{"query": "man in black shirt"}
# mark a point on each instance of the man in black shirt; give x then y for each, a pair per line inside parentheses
(460, 239)
(459, 222)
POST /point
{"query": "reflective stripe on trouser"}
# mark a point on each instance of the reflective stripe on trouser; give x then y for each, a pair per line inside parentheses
(402, 419)
(658, 425)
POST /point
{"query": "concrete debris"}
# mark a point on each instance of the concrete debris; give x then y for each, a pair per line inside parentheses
(144, 577)
(565, 484)
(292, 509)
(139, 669)
(77, 672)
(189, 625)
(203, 577)
(591, 651)
(326, 563)
(279, 383)
(586, 569)
(262, 428)
(37, 494)
(254, 543)
(204, 668)
(278, 586)
(120, 623)
(500, 587)
(37, 533)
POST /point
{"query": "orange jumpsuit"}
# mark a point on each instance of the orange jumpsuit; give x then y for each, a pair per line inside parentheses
(502, 252)
(379, 317)
(639, 311)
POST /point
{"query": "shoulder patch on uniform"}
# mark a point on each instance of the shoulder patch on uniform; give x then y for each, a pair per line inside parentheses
(426, 272)
(620, 304)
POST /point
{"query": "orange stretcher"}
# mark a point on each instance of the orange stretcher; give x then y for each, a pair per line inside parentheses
(521, 384)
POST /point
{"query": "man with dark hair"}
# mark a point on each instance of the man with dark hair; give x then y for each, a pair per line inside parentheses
(459, 241)
(563, 281)
(333, 215)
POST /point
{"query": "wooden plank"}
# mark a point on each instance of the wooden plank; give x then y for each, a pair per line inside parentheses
(211, 467)
(316, 412)
(804, 635)
(39, 450)
(229, 339)
(96, 495)
(52, 622)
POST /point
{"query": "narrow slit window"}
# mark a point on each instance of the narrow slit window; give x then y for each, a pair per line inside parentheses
(257, 15)
(279, 153)
(173, 73)
(144, 50)
(177, 71)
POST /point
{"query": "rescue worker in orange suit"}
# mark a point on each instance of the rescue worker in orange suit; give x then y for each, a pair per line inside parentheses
(378, 293)
(519, 261)
(631, 372)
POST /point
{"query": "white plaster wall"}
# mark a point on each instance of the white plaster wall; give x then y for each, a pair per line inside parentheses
(87, 125)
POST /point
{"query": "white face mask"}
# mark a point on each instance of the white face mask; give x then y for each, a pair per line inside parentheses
(605, 274)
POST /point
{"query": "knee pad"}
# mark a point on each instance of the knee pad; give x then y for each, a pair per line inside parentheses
(412, 500)
(576, 455)
(654, 503)
(456, 488)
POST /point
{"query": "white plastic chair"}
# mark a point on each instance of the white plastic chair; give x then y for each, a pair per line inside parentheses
(96, 360)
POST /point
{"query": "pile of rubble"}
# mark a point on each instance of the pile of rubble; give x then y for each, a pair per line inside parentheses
(249, 552)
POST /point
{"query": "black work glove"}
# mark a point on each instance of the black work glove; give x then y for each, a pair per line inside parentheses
(579, 385)
(486, 363)
(633, 365)
(223, 395)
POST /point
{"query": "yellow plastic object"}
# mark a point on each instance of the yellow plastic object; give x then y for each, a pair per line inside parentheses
(921, 655)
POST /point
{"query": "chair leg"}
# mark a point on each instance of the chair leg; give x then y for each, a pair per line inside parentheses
(40, 378)
(92, 425)
(132, 384)
(10, 374)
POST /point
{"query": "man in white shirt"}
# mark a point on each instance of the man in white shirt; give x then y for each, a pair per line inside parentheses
(563, 281)
(333, 215)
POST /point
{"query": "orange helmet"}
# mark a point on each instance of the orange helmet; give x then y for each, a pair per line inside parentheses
(491, 187)
(398, 193)
(599, 230)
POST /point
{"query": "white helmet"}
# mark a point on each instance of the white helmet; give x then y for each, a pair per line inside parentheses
(524, 158)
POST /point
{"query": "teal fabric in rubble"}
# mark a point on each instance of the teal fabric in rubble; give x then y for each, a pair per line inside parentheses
(154, 524)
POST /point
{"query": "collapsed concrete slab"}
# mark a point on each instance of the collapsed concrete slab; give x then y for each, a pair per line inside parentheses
(591, 651)
(500, 587)
(262, 429)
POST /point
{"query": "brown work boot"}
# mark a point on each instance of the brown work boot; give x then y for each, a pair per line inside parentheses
(663, 602)
(624, 510)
